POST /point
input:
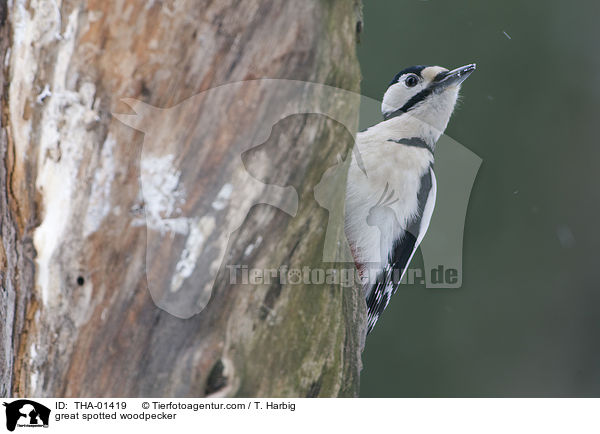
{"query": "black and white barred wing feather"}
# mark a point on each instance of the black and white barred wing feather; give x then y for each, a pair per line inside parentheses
(388, 279)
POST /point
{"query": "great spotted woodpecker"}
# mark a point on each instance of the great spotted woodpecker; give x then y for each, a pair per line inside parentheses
(391, 193)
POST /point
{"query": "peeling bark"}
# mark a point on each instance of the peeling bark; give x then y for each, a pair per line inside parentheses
(109, 233)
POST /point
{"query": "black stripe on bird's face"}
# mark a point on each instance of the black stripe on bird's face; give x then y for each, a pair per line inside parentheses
(416, 99)
(421, 96)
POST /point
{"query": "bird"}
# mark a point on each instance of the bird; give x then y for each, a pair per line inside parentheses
(391, 186)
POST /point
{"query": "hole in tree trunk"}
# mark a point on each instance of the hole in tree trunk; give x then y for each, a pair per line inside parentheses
(216, 379)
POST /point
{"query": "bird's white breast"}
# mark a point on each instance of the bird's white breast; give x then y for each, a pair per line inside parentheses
(401, 168)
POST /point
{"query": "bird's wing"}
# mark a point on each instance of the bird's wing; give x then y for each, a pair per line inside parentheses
(404, 248)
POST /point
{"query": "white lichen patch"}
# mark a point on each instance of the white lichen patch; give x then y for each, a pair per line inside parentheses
(32, 351)
(250, 248)
(99, 205)
(23, 69)
(40, 27)
(194, 245)
(162, 195)
(43, 94)
(64, 128)
(223, 196)
(34, 366)
(33, 382)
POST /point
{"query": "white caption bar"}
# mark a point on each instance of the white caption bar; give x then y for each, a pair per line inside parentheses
(151, 415)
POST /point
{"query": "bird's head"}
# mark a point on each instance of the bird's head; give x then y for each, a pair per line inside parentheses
(428, 93)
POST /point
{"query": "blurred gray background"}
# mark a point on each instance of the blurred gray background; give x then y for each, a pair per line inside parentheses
(526, 321)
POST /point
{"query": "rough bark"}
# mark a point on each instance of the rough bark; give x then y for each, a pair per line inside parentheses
(94, 301)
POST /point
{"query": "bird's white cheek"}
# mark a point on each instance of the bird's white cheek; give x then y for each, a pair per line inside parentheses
(398, 95)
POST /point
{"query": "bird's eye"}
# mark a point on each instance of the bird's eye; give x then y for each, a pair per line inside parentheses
(411, 81)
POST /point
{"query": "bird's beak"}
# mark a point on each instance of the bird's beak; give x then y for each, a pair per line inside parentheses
(453, 78)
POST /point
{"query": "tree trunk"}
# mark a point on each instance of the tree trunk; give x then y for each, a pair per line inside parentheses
(126, 252)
